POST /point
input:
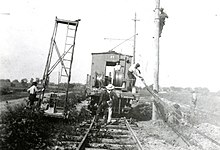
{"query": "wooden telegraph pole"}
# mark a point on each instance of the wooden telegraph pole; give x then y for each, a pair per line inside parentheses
(156, 44)
(135, 20)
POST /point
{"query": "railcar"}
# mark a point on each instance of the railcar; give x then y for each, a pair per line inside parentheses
(111, 68)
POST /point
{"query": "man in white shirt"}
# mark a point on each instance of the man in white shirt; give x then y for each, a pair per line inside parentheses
(33, 93)
(117, 67)
(133, 71)
(194, 99)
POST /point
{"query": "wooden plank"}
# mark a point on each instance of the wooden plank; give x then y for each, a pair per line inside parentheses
(74, 23)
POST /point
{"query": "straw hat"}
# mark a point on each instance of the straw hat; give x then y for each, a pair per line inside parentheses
(110, 87)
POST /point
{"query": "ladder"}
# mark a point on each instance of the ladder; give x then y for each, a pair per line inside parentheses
(65, 59)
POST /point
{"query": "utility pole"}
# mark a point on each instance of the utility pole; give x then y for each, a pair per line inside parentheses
(156, 44)
(135, 20)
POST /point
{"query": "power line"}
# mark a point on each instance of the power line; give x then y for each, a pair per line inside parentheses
(123, 42)
(114, 39)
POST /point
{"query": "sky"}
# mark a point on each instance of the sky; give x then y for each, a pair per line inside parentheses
(189, 46)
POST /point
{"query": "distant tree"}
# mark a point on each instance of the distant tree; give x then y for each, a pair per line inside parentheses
(8, 80)
(52, 83)
(178, 89)
(4, 82)
(37, 80)
(72, 85)
(166, 89)
(218, 93)
(31, 80)
(189, 89)
(24, 82)
(15, 81)
(202, 90)
(5, 86)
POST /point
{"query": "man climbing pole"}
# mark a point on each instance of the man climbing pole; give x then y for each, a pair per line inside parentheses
(162, 16)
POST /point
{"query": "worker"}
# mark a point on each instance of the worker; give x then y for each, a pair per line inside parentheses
(108, 96)
(33, 90)
(194, 99)
(177, 114)
(193, 105)
(117, 67)
(162, 18)
(134, 71)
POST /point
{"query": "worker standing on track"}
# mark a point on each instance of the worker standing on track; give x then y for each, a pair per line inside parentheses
(134, 71)
(33, 90)
(105, 103)
(193, 105)
(194, 99)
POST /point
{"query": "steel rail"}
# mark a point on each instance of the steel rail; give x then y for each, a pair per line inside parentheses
(81, 145)
(207, 137)
(133, 135)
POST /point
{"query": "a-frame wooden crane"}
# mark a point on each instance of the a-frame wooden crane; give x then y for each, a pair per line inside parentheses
(65, 59)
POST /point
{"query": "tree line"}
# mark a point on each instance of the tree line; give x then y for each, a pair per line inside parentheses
(7, 86)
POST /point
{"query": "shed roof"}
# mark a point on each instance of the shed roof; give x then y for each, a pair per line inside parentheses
(111, 52)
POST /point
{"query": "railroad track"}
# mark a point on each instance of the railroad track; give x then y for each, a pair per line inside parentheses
(117, 136)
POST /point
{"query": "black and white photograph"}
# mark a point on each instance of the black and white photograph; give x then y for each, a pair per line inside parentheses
(109, 75)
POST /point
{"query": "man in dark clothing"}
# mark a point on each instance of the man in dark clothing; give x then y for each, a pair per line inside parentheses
(33, 93)
(105, 103)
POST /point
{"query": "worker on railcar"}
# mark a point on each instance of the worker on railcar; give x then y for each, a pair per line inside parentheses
(107, 98)
(134, 72)
(117, 66)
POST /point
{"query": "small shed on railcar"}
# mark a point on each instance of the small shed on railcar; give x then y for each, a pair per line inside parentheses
(104, 68)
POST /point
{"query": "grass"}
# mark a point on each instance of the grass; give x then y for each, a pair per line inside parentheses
(208, 105)
(27, 128)
(15, 95)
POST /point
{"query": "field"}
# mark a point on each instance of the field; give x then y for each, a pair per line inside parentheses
(204, 134)
(207, 109)
(157, 134)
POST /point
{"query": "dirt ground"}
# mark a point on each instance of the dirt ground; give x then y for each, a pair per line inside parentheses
(156, 135)
(203, 135)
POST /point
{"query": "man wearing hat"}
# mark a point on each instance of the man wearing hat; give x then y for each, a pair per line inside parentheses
(33, 90)
(105, 103)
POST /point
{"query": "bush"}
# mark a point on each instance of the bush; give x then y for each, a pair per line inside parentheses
(142, 112)
(28, 129)
(25, 129)
(5, 90)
